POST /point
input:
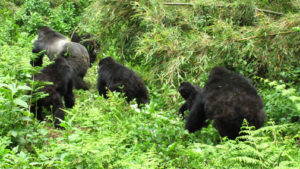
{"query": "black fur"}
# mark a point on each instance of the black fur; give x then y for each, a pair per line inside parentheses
(188, 91)
(54, 45)
(227, 98)
(87, 41)
(60, 73)
(116, 77)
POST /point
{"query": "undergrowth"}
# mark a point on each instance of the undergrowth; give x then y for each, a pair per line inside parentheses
(165, 45)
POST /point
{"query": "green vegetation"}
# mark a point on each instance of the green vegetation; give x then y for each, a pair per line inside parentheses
(165, 43)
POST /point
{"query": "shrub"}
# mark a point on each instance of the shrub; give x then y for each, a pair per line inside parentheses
(189, 40)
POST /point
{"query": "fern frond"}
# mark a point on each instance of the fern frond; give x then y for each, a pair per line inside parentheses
(272, 160)
(247, 160)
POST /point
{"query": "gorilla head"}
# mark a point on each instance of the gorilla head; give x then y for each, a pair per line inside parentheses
(188, 91)
(107, 61)
(49, 41)
(54, 45)
(227, 98)
(60, 73)
(116, 77)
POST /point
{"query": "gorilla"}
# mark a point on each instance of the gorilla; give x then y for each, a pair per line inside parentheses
(54, 44)
(60, 73)
(188, 91)
(116, 77)
(227, 98)
(87, 41)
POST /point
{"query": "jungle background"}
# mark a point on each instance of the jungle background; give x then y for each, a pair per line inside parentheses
(166, 42)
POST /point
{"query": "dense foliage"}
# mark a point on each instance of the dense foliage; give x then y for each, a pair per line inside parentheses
(165, 43)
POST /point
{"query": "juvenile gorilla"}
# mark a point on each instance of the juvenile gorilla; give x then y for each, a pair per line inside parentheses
(227, 98)
(60, 73)
(116, 77)
(57, 45)
(87, 41)
(188, 91)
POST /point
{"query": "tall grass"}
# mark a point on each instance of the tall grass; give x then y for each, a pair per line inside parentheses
(198, 37)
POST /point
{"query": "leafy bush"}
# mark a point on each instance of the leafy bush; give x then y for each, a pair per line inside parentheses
(263, 148)
(282, 103)
(9, 30)
(61, 16)
(15, 116)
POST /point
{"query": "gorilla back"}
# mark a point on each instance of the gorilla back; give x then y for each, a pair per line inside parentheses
(117, 77)
(86, 40)
(227, 99)
(57, 45)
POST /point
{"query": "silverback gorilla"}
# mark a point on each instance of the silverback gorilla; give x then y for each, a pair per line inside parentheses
(116, 77)
(227, 98)
(60, 73)
(57, 45)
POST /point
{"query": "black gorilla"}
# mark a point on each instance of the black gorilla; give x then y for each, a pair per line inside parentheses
(227, 98)
(116, 77)
(54, 45)
(87, 41)
(188, 91)
(60, 73)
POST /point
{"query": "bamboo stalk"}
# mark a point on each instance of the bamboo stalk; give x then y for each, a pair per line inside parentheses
(272, 34)
(268, 11)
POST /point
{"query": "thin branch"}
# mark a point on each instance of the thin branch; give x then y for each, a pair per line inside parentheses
(74, 32)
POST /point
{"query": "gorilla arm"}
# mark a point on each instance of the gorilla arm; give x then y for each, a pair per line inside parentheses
(182, 109)
(69, 96)
(196, 119)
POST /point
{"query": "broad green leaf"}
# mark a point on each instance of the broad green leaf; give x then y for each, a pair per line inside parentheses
(25, 118)
(23, 88)
(12, 88)
(14, 133)
(21, 103)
